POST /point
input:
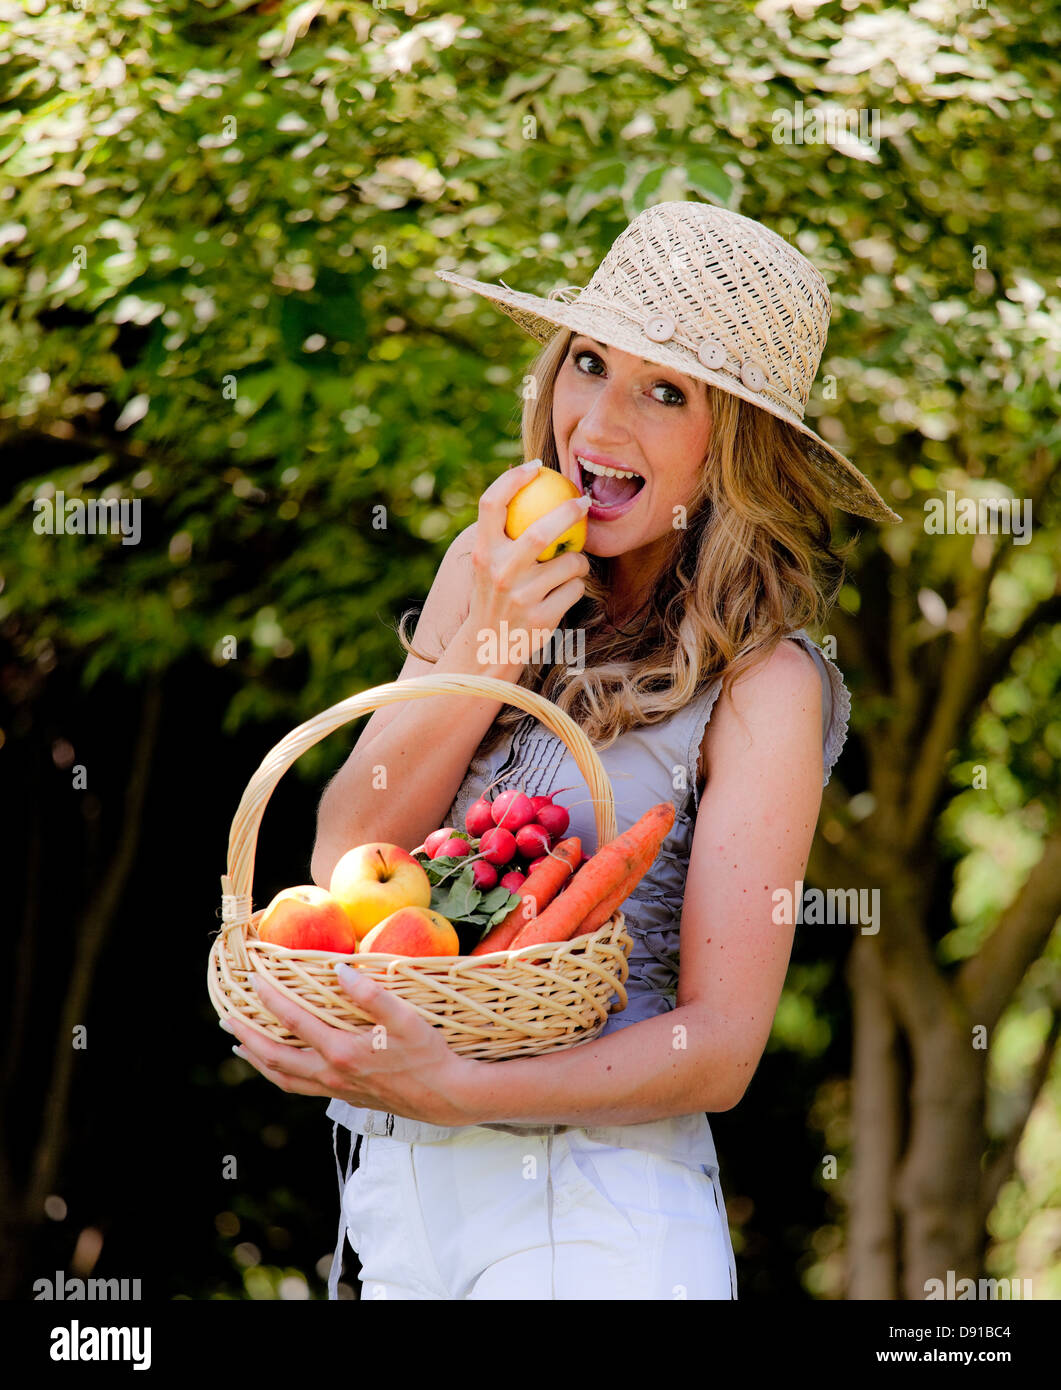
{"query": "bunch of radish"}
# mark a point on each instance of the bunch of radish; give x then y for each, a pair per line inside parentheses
(510, 836)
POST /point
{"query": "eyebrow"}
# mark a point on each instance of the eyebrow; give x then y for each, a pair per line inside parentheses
(644, 360)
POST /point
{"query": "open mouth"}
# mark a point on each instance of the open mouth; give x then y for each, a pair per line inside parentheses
(607, 491)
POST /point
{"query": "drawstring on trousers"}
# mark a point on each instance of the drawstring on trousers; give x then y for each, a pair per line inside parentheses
(340, 1240)
(355, 1149)
(549, 1213)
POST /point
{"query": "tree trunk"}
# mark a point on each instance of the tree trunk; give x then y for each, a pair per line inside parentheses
(877, 1106)
(917, 1094)
(937, 1183)
(23, 1211)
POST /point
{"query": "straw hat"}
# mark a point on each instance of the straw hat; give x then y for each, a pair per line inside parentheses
(717, 296)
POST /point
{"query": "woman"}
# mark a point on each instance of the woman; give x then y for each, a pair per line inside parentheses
(591, 1173)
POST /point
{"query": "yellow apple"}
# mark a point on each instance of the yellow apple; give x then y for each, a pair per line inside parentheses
(413, 931)
(546, 490)
(374, 880)
(307, 918)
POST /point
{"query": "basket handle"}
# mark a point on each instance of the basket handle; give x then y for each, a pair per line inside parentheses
(243, 836)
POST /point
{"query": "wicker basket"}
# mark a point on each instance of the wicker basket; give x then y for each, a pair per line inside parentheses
(489, 1007)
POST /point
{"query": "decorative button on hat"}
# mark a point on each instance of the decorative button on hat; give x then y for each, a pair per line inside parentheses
(716, 296)
(752, 375)
(712, 354)
(660, 328)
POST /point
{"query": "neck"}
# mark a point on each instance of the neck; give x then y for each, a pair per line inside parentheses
(634, 576)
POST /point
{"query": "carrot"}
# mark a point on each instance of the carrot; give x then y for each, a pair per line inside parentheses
(608, 904)
(619, 894)
(599, 878)
(538, 889)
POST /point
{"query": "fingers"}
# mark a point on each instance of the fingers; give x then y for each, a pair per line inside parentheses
(291, 1082)
(549, 577)
(511, 584)
(282, 1063)
(493, 511)
(381, 1004)
(495, 499)
(321, 1036)
(567, 595)
(550, 527)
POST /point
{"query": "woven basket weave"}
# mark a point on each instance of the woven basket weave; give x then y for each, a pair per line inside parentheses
(490, 1007)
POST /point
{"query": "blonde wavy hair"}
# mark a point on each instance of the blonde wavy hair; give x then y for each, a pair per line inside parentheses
(753, 562)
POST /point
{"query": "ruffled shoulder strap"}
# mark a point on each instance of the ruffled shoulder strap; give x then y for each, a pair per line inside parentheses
(836, 711)
(836, 703)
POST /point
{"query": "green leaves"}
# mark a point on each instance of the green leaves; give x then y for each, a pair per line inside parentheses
(454, 894)
(602, 182)
(283, 181)
(701, 176)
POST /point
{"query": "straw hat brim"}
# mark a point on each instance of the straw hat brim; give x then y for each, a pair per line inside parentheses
(541, 318)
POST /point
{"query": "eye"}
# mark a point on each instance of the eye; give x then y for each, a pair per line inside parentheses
(576, 357)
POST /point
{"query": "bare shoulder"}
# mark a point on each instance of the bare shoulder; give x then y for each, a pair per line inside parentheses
(458, 562)
(464, 542)
(775, 702)
(788, 674)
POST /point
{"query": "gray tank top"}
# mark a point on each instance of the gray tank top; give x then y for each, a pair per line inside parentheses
(645, 766)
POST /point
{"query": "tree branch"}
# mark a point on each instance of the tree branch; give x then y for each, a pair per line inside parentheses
(997, 664)
(960, 663)
(1001, 1166)
(904, 689)
(965, 675)
(434, 330)
(987, 981)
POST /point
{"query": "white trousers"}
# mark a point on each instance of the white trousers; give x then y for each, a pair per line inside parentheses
(492, 1215)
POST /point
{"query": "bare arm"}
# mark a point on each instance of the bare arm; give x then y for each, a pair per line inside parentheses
(397, 786)
(407, 767)
(753, 835)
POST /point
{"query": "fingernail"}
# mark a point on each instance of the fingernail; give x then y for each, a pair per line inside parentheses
(224, 1023)
(585, 501)
(533, 463)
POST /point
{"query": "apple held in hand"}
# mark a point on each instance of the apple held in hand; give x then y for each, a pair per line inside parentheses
(307, 918)
(413, 931)
(374, 880)
(547, 489)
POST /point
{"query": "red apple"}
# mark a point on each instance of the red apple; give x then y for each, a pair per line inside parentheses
(413, 931)
(307, 918)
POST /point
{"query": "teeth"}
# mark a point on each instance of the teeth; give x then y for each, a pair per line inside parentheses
(604, 472)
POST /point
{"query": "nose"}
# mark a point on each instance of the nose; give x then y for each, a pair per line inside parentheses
(604, 426)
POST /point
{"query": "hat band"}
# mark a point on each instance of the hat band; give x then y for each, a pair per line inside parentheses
(710, 352)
